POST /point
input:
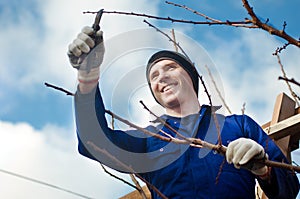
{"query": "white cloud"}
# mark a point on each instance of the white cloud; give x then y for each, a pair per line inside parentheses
(46, 156)
(39, 54)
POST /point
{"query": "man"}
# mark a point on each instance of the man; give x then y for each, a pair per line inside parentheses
(177, 171)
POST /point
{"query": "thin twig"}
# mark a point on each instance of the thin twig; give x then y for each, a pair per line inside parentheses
(243, 108)
(118, 178)
(174, 39)
(164, 122)
(189, 141)
(257, 192)
(211, 19)
(193, 11)
(279, 49)
(292, 80)
(170, 39)
(147, 132)
(195, 141)
(220, 171)
(253, 23)
(151, 186)
(173, 20)
(140, 189)
(217, 89)
(59, 88)
(280, 33)
(128, 168)
(221, 149)
(288, 84)
(212, 110)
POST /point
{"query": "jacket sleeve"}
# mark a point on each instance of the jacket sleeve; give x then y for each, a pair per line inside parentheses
(283, 183)
(95, 139)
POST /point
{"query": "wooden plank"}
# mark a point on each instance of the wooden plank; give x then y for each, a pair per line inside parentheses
(266, 125)
(136, 195)
(280, 127)
(297, 110)
(284, 144)
(289, 126)
(283, 109)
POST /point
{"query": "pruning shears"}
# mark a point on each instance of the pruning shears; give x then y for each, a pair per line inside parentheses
(97, 40)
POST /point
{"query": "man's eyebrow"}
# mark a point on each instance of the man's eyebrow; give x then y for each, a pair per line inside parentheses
(165, 65)
(152, 73)
(171, 63)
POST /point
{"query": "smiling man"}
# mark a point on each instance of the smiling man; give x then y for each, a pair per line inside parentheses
(175, 170)
(174, 83)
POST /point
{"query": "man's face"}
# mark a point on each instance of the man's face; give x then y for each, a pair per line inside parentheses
(170, 84)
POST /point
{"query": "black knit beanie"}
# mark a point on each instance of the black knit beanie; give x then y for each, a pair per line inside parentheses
(180, 59)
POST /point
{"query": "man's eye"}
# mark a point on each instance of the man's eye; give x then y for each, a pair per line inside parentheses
(171, 67)
(153, 77)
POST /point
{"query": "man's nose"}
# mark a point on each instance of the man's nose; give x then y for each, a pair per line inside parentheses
(162, 78)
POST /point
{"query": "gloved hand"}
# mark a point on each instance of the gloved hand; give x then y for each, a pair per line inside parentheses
(244, 152)
(86, 54)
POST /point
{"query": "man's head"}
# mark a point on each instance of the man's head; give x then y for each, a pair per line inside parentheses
(171, 72)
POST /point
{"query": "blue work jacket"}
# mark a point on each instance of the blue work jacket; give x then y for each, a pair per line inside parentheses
(176, 170)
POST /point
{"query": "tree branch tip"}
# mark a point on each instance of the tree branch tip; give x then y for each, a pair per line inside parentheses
(142, 103)
(267, 21)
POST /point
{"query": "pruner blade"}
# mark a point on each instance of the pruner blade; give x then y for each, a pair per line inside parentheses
(96, 26)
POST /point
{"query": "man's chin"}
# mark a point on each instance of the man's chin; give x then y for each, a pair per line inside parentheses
(170, 103)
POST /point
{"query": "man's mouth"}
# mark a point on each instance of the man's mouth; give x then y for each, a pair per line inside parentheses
(167, 87)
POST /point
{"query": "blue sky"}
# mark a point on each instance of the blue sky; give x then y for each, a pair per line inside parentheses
(37, 124)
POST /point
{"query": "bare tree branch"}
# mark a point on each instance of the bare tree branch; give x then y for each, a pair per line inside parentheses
(174, 39)
(170, 39)
(164, 123)
(243, 108)
(280, 33)
(292, 80)
(107, 154)
(212, 19)
(140, 189)
(287, 82)
(191, 141)
(221, 149)
(255, 22)
(193, 11)
(279, 49)
(173, 20)
(59, 88)
(217, 89)
(163, 138)
(118, 178)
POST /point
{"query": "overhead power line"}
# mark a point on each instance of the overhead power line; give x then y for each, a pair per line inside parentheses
(44, 183)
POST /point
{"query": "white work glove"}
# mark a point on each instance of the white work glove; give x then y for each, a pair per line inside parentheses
(86, 54)
(243, 152)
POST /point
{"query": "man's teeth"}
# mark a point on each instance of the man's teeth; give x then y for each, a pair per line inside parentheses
(166, 88)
